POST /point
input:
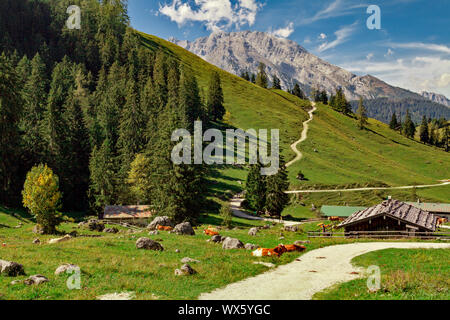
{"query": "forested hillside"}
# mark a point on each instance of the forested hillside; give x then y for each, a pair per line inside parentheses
(87, 102)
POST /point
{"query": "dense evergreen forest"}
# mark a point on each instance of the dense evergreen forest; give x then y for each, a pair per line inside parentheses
(97, 107)
(382, 109)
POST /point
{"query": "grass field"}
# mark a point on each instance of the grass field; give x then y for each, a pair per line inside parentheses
(111, 263)
(405, 275)
(376, 156)
(346, 156)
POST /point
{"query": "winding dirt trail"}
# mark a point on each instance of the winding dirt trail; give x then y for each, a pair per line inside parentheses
(303, 136)
(315, 271)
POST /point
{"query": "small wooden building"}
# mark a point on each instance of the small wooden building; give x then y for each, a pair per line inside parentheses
(133, 214)
(391, 215)
(439, 209)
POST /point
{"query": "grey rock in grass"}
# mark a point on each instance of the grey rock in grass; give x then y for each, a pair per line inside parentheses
(217, 238)
(36, 241)
(251, 246)
(291, 228)
(185, 270)
(184, 228)
(65, 267)
(153, 233)
(162, 221)
(148, 244)
(36, 280)
(253, 231)
(300, 242)
(232, 243)
(189, 260)
(111, 230)
(11, 269)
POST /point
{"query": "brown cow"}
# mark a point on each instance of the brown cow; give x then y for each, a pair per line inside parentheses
(163, 228)
(441, 221)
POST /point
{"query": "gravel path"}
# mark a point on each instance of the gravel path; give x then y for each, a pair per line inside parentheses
(316, 271)
(235, 205)
(303, 136)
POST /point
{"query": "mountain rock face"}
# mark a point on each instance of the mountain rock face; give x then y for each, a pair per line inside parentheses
(435, 97)
(239, 51)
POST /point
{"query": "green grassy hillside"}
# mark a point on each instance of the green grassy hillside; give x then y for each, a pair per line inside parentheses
(345, 154)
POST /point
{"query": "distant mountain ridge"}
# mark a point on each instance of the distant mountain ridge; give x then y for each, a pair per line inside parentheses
(239, 51)
(435, 97)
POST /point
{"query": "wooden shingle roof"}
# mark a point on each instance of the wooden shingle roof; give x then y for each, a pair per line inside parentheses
(127, 212)
(407, 213)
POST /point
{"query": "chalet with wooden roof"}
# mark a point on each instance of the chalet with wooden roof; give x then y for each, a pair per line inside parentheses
(127, 213)
(391, 215)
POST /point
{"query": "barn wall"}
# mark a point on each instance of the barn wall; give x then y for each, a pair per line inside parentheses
(378, 224)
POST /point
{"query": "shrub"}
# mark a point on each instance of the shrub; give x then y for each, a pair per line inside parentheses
(227, 215)
(42, 197)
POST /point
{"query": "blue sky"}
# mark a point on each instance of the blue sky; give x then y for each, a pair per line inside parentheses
(411, 50)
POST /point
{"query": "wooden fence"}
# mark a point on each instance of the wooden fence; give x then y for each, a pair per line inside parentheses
(380, 235)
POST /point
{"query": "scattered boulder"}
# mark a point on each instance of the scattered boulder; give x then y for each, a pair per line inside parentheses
(291, 228)
(36, 241)
(65, 267)
(14, 282)
(266, 264)
(217, 239)
(177, 251)
(95, 225)
(232, 243)
(185, 270)
(58, 240)
(35, 280)
(118, 296)
(148, 244)
(300, 242)
(266, 226)
(11, 269)
(153, 233)
(281, 238)
(189, 260)
(253, 231)
(111, 230)
(251, 246)
(184, 228)
(161, 221)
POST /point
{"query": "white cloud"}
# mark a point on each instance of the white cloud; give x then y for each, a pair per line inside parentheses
(416, 73)
(369, 56)
(337, 8)
(215, 14)
(420, 45)
(322, 36)
(342, 36)
(283, 32)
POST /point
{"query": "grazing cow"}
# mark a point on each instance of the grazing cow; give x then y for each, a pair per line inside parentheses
(163, 228)
(294, 247)
(210, 232)
(263, 252)
(335, 219)
(441, 221)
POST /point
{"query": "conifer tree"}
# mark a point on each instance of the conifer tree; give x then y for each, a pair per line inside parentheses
(277, 185)
(35, 93)
(10, 112)
(256, 188)
(261, 78)
(394, 122)
(409, 129)
(215, 101)
(424, 136)
(298, 92)
(276, 83)
(361, 114)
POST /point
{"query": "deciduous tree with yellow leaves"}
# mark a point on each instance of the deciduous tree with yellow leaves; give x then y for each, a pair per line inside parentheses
(42, 197)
